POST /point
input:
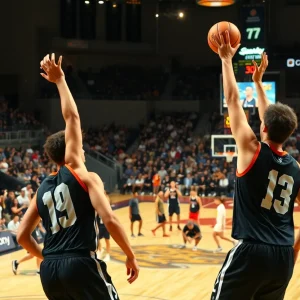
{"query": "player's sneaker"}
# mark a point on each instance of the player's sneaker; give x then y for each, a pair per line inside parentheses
(195, 248)
(170, 229)
(38, 272)
(153, 231)
(106, 258)
(133, 236)
(219, 249)
(178, 227)
(166, 235)
(15, 266)
(140, 234)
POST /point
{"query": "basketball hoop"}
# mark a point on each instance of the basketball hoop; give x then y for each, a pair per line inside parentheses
(229, 156)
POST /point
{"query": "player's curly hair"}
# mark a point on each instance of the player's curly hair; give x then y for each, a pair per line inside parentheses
(281, 121)
(55, 147)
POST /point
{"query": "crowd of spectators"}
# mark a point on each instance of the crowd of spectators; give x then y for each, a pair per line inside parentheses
(169, 151)
(30, 168)
(113, 82)
(110, 140)
(14, 119)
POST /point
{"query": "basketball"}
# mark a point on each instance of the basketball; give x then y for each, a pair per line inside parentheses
(220, 28)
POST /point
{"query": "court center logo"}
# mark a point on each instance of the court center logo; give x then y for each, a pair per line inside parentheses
(170, 256)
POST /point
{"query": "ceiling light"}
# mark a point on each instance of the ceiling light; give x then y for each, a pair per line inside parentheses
(101, 2)
(157, 15)
(181, 14)
(114, 5)
(87, 2)
(215, 3)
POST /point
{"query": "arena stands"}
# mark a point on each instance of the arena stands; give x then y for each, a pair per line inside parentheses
(113, 82)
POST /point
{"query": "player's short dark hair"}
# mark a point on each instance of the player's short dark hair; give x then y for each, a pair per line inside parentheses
(55, 147)
(281, 121)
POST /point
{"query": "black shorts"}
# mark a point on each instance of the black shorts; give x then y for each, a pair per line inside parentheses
(135, 218)
(174, 209)
(103, 233)
(76, 276)
(254, 271)
(161, 219)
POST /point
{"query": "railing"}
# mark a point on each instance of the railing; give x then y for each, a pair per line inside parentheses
(21, 137)
(107, 161)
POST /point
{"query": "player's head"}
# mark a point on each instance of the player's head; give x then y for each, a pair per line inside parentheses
(55, 148)
(249, 91)
(193, 192)
(172, 184)
(190, 224)
(280, 121)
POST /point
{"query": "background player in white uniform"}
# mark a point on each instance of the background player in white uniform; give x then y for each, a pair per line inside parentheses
(219, 228)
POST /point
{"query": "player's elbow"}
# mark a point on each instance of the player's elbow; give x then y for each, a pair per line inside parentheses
(72, 116)
(232, 98)
(109, 219)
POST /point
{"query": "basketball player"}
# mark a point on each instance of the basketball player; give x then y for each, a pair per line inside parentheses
(160, 214)
(28, 256)
(260, 266)
(172, 194)
(195, 205)
(134, 214)
(103, 234)
(219, 228)
(66, 201)
(191, 232)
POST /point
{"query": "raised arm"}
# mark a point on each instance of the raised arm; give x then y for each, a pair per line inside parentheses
(243, 134)
(262, 99)
(73, 134)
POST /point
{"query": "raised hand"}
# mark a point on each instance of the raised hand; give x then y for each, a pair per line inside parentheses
(226, 51)
(260, 70)
(53, 71)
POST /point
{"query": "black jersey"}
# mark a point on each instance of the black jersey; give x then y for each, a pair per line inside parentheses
(173, 197)
(194, 205)
(264, 198)
(68, 216)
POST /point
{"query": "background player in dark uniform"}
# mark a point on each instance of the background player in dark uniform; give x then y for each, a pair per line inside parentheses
(191, 232)
(103, 234)
(195, 205)
(68, 201)
(174, 205)
(260, 266)
(134, 214)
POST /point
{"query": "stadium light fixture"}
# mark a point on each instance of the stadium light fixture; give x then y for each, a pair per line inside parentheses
(87, 2)
(215, 3)
(181, 15)
(156, 15)
(101, 2)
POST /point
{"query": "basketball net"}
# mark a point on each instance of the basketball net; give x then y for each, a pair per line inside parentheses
(229, 156)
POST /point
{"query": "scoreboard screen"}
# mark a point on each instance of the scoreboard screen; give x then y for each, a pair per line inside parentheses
(242, 64)
(253, 18)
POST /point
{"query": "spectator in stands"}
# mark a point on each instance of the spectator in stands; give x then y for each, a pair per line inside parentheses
(128, 186)
(23, 199)
(187, 182)
(2, 224)
(13, 226)
(156, 181)
(17, 209)
(139, 184)
(165, 183)
(202, 186)
(148, 184)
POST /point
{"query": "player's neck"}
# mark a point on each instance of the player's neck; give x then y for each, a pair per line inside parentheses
(275, 146)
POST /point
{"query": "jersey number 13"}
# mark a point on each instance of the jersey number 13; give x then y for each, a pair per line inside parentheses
(287, 183)
(64, 203)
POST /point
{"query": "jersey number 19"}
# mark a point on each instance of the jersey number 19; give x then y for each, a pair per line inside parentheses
(63, 202)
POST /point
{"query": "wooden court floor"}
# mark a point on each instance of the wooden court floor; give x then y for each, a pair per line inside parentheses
(167, 272)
